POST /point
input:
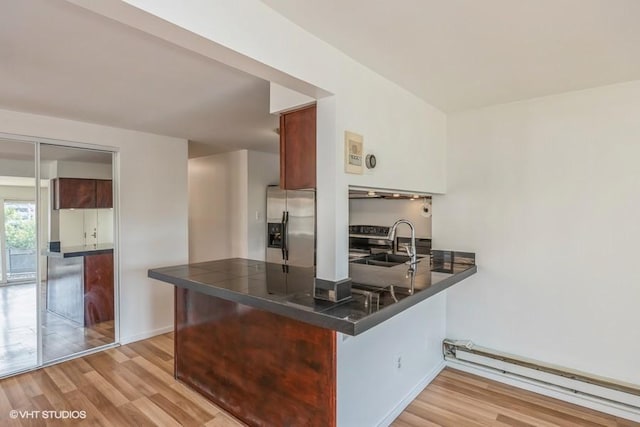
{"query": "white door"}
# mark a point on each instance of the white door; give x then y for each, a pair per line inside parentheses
(90, 226)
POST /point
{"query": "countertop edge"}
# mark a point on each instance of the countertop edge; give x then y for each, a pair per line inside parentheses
(290, 310)
(377, 318)
(71, 254)
(278, 307)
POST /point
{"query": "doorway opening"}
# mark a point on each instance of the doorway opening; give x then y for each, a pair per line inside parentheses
(19, 242)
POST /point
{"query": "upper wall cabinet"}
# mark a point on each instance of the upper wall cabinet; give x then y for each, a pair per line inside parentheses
(104, 193)
(298, 149)
(80, 193)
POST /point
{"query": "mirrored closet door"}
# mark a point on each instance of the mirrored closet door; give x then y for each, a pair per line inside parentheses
(78, 283)
(58, 275)
(18, 257)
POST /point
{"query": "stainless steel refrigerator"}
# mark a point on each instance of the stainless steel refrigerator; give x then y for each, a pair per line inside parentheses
(291, 227)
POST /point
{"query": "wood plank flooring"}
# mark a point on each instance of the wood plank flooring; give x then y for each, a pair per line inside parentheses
(133, 385)
(60, 337)
(457, 398)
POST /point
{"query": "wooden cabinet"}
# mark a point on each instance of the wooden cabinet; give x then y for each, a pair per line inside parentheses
(104, 193)
(81, 193)
(98, 289)
(81, 288)
(266, 369)
(74, 193)
(298, 149)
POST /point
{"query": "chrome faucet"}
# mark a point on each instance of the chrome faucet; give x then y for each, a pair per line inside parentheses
(411, 250)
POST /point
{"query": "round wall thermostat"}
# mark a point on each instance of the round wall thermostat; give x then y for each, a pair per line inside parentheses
(370, 161)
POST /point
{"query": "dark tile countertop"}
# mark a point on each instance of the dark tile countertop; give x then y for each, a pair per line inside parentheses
(266, 286)
(74, 251)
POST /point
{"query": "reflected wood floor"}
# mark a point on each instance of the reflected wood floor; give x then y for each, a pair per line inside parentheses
(134, 385)
(60, 337)
(131, 385)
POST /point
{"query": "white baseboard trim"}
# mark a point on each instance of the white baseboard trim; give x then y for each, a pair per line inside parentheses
(402, 405)
(145, 335)
(548, 390)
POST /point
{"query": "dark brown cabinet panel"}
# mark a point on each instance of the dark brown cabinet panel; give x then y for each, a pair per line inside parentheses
(298, 149)
(98, 289)
(266, 369)
(81, 193)
(104, 193)
(74, 193)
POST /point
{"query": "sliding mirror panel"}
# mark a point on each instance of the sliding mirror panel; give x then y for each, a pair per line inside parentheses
(78, 280)
(18, 258)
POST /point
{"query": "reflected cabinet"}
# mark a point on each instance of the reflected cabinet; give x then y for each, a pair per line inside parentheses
(82, 193)
(57, 272)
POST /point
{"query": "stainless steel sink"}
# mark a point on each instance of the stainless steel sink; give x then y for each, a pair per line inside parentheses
(377, 297)
(383, 260)
(392, 258)
(369, 261)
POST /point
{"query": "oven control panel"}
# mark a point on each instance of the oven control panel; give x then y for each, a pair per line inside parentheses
(369, 230)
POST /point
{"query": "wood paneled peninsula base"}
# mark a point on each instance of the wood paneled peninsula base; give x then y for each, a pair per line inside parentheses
(80, 284)
(266, 369)
(250, 336)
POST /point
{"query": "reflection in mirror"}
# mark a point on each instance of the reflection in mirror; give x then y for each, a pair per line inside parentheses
(372, 214)
(78, 281)
(18, 260)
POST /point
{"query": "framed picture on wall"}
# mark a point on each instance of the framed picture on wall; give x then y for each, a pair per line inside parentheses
(353, 153)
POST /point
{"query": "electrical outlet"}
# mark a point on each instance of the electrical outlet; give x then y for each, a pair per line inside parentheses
(399, 362)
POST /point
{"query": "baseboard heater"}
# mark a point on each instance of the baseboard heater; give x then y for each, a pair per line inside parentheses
(607, 389)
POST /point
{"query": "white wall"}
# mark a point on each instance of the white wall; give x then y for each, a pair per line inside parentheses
(407, 135)
(11, 192)
(385, 212)
(19, 168)
(88, 170)
(218, 206)
(152, 211)
(282, 99)
(372, 390)
(546, 193)
(227, 203)
(263, 170)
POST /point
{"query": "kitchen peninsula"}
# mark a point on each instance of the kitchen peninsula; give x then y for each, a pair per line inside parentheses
(80, 282)
(264, 349)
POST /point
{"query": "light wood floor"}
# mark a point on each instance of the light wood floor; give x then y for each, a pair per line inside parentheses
(456, 398)
(134, 385)
(60, 337)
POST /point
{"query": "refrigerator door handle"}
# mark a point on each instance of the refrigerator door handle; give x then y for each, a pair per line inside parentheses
(285, 235)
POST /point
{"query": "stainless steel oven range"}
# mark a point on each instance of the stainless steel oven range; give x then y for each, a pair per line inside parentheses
(368, 239)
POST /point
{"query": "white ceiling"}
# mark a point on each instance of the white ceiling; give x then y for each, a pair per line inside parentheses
(17, 150)
(26, 151)
(64, 61)
(463, 54)
(69, 154)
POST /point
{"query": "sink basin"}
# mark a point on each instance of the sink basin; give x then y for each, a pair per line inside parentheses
(369, 261)
(383, 260)
(392, 258)
(377, 297)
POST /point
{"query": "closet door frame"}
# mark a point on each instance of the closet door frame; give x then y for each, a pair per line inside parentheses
(115, 166)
